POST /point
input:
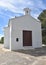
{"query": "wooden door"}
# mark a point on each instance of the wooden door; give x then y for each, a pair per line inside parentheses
(27, 38)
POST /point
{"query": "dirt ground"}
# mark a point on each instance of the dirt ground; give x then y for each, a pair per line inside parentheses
(23, 57)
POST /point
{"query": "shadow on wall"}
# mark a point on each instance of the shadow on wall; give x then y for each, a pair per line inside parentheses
(34, 52)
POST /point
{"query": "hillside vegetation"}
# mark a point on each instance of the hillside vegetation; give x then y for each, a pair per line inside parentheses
(42, 18)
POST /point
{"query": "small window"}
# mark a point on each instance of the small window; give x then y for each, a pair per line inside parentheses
(17, 39)
(27, 11)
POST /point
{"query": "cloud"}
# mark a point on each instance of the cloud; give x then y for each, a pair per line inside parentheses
(1, 35)
(7, 5)
(16, 6)
(4, 15)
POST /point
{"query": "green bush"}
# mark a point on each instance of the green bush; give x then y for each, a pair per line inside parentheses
(2, 40)
(44, 39)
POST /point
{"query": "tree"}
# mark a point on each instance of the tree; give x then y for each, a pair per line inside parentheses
(42, 18)
(2, 40)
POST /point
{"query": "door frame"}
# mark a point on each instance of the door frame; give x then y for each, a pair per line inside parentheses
(23, 37)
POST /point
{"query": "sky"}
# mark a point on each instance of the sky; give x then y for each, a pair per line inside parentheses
(12, 8)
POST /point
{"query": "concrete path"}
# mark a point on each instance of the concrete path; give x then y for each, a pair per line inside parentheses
(23, 57)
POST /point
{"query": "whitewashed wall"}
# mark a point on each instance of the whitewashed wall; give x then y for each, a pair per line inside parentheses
(25, 23)
(7, 37)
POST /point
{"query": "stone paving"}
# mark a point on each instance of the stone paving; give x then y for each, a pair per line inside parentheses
(23, 57)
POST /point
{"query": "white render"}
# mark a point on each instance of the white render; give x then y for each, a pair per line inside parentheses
(15, 30)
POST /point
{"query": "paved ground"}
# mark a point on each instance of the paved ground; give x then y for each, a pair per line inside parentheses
(23, 57)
